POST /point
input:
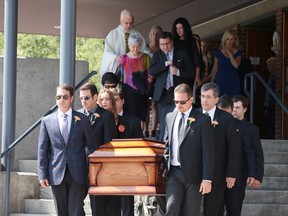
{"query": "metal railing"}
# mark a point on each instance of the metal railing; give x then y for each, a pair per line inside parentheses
(17, 141)
(251, 76)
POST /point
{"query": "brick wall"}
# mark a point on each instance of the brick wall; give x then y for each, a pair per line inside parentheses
(279, 77)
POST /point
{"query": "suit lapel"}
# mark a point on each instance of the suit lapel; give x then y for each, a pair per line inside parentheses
(74, 120)
(188, 123)
(56, 122)
(170, 125)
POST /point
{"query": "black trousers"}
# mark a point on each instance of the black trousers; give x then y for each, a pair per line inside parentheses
(213, 202)
(234, 198)
(105, 205)
(127, 205)
(69, 196)
(181, 196)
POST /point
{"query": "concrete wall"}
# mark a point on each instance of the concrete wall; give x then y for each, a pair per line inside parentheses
(36, 83)
(23, 185)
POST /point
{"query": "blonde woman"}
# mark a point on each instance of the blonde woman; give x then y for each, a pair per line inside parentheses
(226, 62)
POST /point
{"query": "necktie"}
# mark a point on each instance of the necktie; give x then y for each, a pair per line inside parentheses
(90, 116)
(181, 130)
(169, 81)
(206, 113)
(126, 41)
(65, 128)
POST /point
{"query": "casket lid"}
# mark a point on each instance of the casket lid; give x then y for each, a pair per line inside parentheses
(129, 148)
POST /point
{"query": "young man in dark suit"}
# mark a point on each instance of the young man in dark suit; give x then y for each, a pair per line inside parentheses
(128, 126)
(239, 109)
(62, 160)
(227, 151)
(170, 68)
(189, 153)
(234, 196)
(252, 159)
(104, 126)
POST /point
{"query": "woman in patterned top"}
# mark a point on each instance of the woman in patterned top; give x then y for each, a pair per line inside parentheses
(133, 72)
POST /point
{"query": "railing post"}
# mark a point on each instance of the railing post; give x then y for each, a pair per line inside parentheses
(7, 189)
(251, 98)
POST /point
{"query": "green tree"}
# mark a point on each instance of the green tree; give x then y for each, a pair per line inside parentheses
(44, 46)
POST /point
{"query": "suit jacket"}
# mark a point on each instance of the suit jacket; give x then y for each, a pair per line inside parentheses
(158, 69)
(227, 147)
(253, 138)
(54, 154)
(167, 109)
(196, 150)
(247, 156)
(129, 126)
(104, 126)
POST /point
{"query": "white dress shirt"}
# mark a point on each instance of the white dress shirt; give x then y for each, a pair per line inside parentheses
(69, 118)
(175, 144)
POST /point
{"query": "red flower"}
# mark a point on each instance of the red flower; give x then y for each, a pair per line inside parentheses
(121, 128)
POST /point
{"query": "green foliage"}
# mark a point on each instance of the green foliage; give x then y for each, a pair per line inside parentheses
(43, 46)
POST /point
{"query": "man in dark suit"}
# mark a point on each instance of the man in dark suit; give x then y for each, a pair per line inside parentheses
(170, 67)
(189, 153)
(128, 126)
(227, 153)
(253, 161)
(62, 160)
(239, 109)
(104, 126)
(234, 196)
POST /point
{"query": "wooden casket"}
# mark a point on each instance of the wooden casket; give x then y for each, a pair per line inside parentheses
(127, 167)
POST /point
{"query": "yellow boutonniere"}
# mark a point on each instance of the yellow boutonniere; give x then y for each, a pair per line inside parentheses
(191, 120)
(76, 118)
(215, 123)
(96, 115)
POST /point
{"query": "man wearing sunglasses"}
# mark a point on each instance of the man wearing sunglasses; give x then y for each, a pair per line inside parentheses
(227, 152)
(189, 153)
(104, 126)
(62, 160)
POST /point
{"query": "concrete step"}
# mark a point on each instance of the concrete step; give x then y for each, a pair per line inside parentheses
(23, 214)
(276, 170)
(266, 197)
(27, 166)
(274, 145)
(265, 210)
(46, 206)
(46, 193)
(276, 157)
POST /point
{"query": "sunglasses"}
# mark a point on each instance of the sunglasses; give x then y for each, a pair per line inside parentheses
(85, 98)
(181, 102)
(65, 97)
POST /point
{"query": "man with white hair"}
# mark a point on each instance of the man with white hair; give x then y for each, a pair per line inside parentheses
(116, 43)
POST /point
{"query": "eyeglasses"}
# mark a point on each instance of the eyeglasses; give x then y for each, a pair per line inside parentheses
(65, 97)
(182, 102)
(208, 97)
(165, 44)
(107, 86)
(85, 98)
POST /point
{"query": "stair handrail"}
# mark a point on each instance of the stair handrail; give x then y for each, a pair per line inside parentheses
(250, 93)
(26, 133)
